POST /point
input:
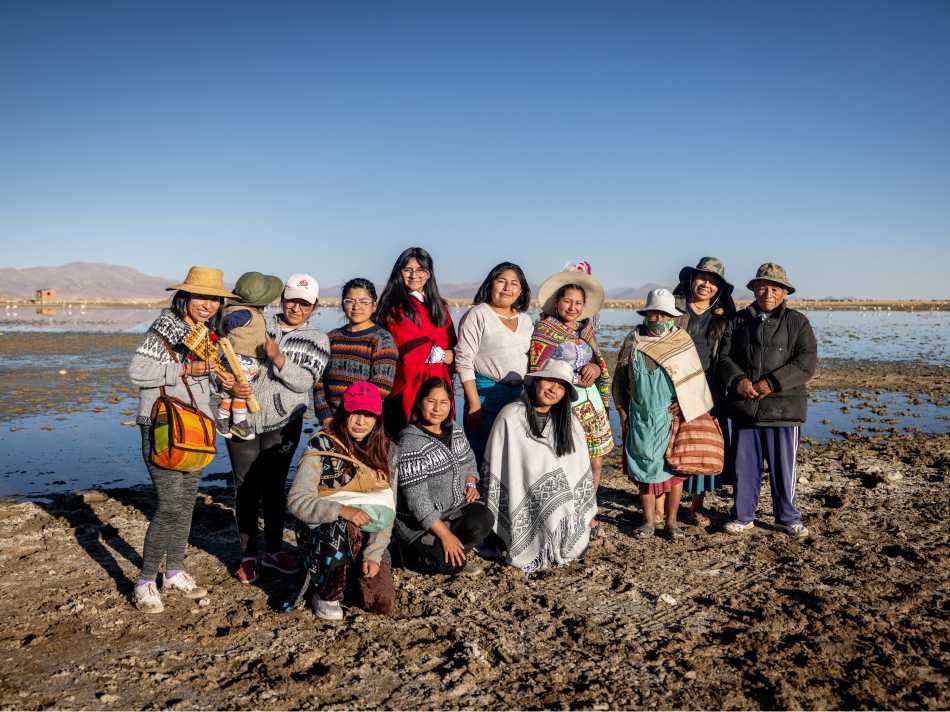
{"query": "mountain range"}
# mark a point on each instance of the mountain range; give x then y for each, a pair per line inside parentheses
(99, 280)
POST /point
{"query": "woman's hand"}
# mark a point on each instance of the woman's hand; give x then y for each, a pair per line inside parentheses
(449, 357)
(454, 551)
(354, 515)
(370, 569)
(242, 390)
(227, 381)
(274, 353)
(590, 373)
(471, 490)
(746, 389)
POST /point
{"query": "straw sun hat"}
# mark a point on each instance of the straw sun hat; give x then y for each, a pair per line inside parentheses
(573, 273)
(204, 281)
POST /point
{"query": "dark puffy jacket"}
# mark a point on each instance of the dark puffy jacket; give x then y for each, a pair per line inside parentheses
(781, 349)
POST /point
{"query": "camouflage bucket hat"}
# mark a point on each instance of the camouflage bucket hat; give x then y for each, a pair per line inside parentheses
(257, 290)
(771, 272)
(712, 265)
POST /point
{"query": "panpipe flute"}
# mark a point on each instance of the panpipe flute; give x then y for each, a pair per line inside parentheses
(199, 343)
(235, 364)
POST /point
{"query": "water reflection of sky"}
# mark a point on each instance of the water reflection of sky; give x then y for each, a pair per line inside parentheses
(872, 335)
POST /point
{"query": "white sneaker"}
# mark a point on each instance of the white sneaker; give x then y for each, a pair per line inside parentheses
(184, 583)
(147, 598)
(737, 527)
(327, 610)
(797, 530)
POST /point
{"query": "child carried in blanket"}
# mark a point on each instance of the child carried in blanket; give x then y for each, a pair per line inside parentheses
(244, 325)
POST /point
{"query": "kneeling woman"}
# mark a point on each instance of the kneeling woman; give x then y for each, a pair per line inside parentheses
(438, 517)
(537, 451)
(343, 498)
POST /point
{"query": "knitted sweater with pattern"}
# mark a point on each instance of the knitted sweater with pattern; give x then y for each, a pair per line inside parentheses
(368, 355)
(430, 479)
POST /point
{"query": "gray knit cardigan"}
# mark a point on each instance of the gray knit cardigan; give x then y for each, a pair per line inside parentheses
(284, 393)
(430, 479)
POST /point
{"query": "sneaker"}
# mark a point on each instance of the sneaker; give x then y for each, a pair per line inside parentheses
(737, 527)
(183, 583)
(147, 598)
(242, 430)
(247, 571)
(327, 610)
(281, 561)
(223, 426)
(796, 529)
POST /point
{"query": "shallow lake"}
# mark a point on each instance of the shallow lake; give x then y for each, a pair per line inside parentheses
(872, 335)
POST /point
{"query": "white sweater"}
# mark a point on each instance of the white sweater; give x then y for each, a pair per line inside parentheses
(487, 346)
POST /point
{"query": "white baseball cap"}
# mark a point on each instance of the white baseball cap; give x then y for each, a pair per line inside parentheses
(302, 286)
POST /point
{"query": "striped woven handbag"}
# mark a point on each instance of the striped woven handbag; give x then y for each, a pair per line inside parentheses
(182, 437)
(696, 447)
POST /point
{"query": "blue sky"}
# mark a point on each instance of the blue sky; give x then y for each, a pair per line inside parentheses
(326, 137)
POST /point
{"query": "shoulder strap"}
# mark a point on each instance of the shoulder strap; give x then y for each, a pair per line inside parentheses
(184, 379)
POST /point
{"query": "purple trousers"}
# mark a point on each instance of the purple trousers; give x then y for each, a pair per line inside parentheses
(779, 447)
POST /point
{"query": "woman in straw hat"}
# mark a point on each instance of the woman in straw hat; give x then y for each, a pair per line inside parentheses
(565, 332)
(644, 394)
(162, 360)
(705, 298)
(537, 452)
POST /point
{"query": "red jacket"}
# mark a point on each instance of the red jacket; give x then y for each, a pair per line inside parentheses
(414, 342)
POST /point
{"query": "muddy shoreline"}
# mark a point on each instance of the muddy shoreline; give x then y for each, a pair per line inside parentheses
(854, 617)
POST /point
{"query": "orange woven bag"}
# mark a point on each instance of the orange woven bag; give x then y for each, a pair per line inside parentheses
(696, 447)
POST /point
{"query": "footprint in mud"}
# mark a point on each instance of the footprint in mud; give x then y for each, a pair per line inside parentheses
(904, 552)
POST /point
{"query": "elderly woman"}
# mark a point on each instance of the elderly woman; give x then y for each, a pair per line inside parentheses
(297, 353)
(412, 310)
(644, 394)
(492, 353)
(569, 301)
(163, 363)
(537, 453)
(769, 354)
(705, 298)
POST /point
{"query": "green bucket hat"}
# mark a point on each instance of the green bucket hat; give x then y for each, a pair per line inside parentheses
(771, 272)
(257, 290)
(712, 265)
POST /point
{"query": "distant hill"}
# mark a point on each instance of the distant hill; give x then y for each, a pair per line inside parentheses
(92, 280)
(632, 292)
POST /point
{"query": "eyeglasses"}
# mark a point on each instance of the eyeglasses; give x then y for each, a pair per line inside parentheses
(409, 271)
(363, 302)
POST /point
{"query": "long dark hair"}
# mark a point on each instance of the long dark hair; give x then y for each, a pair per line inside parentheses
(373, 450)
(483, 294)
(717, 322)
(429, 385)
(560, 417)
(395, 294)
(359, 283)
(179, 306)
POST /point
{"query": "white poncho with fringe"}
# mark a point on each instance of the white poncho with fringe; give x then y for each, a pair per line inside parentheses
(543, 504)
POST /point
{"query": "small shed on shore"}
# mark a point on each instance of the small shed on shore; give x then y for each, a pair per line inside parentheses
(47, 294)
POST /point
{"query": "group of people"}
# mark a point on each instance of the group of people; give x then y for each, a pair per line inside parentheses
(394, 473)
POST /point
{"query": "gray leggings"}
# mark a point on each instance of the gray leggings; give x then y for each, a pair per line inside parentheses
(168, 531)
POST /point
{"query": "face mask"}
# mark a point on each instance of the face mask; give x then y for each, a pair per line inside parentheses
(659, 328)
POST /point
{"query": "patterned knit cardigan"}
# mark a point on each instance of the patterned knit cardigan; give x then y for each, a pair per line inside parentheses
(550, 332)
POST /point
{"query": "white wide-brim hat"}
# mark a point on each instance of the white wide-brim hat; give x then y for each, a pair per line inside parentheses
(573, 274)
(556, 369)
(660, 300)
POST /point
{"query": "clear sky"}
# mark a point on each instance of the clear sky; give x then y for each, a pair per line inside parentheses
(327, 136)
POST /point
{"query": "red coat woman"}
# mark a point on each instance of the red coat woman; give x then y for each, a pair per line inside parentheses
(413, 311)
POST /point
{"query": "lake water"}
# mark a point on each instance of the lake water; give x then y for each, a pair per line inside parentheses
(872, 335)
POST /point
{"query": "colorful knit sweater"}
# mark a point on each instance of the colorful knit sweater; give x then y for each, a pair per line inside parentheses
(368, 355)
(550, 332)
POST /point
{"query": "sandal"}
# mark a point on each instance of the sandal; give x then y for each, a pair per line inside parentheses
(697, 519)
(644, 531)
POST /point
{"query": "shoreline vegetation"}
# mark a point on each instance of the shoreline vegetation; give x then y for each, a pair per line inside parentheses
(804, 304)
